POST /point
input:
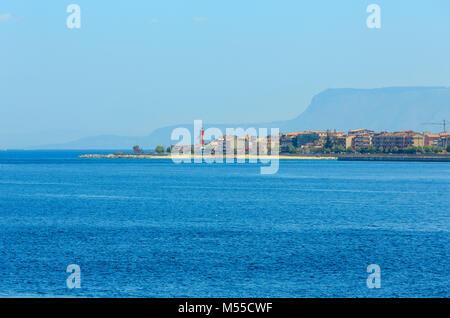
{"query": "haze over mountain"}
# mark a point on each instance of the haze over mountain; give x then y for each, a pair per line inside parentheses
(381, 109)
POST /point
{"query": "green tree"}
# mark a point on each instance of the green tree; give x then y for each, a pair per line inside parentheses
(292, 149)
(328, 142)
(410, 150)
(338, 149)
(436, 149)
(169, 149)
(137, 149)
(159, 149)
(364, 150)
(304, 139)
(448, 148)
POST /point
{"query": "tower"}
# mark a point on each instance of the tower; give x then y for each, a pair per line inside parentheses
(202, 137)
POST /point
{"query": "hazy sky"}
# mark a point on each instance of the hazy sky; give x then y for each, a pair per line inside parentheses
(138, 65)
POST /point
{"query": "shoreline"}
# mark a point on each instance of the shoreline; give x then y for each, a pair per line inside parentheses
(246, 157)
(396, 157)
(339, 157)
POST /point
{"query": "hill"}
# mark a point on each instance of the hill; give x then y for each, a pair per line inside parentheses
(380, 109)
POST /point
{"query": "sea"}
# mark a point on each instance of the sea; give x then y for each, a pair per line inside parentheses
(153, 228)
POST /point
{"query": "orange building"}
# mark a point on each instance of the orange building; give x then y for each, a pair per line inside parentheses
(398, 140)
(361, 138)
(437, 140)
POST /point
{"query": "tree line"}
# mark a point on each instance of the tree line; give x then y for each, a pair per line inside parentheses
(159, 149)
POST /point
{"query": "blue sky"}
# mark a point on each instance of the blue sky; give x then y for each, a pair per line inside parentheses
(138, 65)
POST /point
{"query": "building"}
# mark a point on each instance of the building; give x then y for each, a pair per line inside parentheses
(290, 140)
(349, 141)
(418, 139)
(273, 143)
(230, 144)
(437, 140)
(287, 141)
(344, 141)
(234, 145)
(361, 138)
(432, 140)
(400, 140)
(444, 140)
(305, 139)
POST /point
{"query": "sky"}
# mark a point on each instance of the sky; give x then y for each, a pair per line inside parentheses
(135, 66)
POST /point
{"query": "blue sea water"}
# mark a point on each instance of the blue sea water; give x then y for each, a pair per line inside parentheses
(152, 228)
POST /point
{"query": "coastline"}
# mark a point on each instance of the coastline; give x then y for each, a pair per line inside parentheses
(246, 157)
(396, 157)
(340, 157)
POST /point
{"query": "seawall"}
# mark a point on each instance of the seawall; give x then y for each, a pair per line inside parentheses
(426, 158)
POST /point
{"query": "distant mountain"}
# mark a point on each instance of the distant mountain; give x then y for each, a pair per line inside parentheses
(381, 109)
(389, 109)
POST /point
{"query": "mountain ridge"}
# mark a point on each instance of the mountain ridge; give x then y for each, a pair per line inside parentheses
(380, 109)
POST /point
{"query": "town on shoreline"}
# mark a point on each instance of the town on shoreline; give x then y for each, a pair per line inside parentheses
(359, 144)
(359, 141)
